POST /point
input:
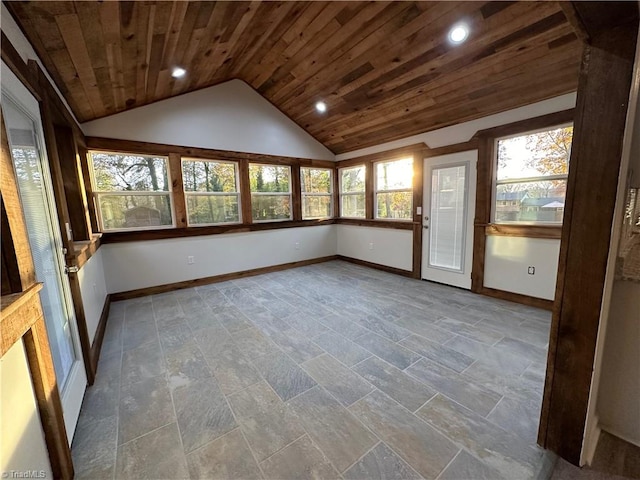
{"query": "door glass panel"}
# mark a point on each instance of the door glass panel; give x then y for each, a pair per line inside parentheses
(447, 223)
(34, 199)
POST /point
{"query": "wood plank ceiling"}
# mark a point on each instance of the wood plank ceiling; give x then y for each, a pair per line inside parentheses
(385, 69)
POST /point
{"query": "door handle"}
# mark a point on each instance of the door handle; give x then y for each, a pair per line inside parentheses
(71, 269)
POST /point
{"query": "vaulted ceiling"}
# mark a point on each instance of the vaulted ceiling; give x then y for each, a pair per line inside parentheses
(385, 69)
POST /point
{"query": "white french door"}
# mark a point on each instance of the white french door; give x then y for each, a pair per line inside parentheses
(24, 130)
(447, 221)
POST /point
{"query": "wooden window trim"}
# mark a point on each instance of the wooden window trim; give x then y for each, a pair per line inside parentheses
(332, 175)
(367, 208)
(376, 190)
(295, 211)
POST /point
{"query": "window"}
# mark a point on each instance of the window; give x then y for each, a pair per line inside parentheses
(352, 192)
(394, 189)
(211, 191)
(531, 179)
(316, 193)
(270, 192)
(132, 192)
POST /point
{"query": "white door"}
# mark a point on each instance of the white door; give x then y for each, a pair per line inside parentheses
(24, 130)
(447, 221)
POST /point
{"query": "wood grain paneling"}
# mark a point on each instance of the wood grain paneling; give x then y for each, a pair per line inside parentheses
(385, 69)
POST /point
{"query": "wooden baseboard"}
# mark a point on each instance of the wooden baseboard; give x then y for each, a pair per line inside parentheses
(517, 298)
(377, 266)
(96, 346)
(143, 292)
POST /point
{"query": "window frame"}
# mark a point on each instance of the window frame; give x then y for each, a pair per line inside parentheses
(342, 194)
(315, 194)
(95, 193)
(186, 193)
(271, 194)
(533, 179)
(376, 191)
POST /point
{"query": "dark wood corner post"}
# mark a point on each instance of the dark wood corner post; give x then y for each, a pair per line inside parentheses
(603, 92)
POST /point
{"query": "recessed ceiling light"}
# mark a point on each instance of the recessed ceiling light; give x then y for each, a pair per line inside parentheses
(178, 72)
(321, 107)
(458, 33)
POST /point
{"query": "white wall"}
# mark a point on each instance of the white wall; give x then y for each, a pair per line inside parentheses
(22, 444)
(93, 288)
(229, 116)
(508, 258)
(384, 246)
(134, 265)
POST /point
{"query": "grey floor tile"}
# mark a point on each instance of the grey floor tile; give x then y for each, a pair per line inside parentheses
(499, 359)
(284, 376)
(306, 324)
(389, 351)
(109, 367)
(94, 444)
(231, 318)
(504, 383)
(139, 310)
(477, 332)
(424, 327)
(266, 421)
(466, 466)
(215, 299)
(518, 416)
(100, 468)
(166, 309)
(176, 337)
(185, 365)
(343, 325)
(226, 458)
(533, 335)
(404, 389)
(438, 353)
(201, 320)
(343, 383)
(341, 348)
(386, 329)
(100, 400)
(231, 368)
(253, 343)
(265, 321)
(419, 444)
(142, 363)
(382, 464)
(296, 345)
(144, 406)
(300, 460)
(138, 333)
(202, 412)
(155, 455)
(523, 349)
(341, 437)
(461, 389)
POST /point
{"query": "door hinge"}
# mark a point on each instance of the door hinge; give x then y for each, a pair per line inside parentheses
(71, 269)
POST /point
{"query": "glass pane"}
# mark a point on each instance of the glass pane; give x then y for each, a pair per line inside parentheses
(395, 205)
(315, 180)
(352, 205)
(316, 207)
(394, 175)
(535, 154)
(269, 178)
(35, 205)
(447, 219)
(127, 172)
(271, 207)
(207, 176)
(204, 209)
(352, 179)
(134, 211)
(530, 202)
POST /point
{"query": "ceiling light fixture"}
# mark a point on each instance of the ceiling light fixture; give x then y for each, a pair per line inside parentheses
(178, 72)
(458, 33)
(321, 107)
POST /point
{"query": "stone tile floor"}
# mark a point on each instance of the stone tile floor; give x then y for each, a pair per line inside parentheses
(326, 371)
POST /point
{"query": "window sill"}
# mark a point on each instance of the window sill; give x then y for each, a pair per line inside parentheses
(84, 250)
(377, 223)
(552, 232)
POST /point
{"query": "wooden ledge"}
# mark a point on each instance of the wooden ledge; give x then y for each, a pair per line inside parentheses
(19, 312)
(369, 222)
(531, 231)
(84, 250)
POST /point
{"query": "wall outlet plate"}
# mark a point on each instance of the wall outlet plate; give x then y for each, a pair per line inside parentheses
(531, 270)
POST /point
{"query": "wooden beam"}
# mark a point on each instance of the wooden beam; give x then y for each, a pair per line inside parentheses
(569, 10)
(603, 93)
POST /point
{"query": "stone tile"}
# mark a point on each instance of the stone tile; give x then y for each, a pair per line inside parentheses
(176, 337)
(232, 319)
(425, 328)
(166, 308)
(253, 343)
(144, 406)
(226, 458)
(461, 389)
(500, 450)
(203, 319)
(142, 363)
(265, 321)
(101, 468)
(516, 386)
(343, 384)
(500, 359)
(386, 329)
(535, 336)
(137, 334)
(518, 416)
(306, 324)
(476, 332)
(155, 455)
(466, 466)
(94, 444)
(389, 351)
(344, 350)
(284, 376)
(266, 421)
(382, 464)
(216, 299)
(404, 389)
(186, 365)
(202, 412)
(438, 353)
(139, 310)
(100, 400)
(343, 325)
(338, 434)
(420, 445)
(296, 345)
(109, 367)
(300, 460)
(523, 349)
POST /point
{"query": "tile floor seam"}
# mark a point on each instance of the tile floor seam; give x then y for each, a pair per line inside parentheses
(379, 442)
(305, 434)
(447, 465)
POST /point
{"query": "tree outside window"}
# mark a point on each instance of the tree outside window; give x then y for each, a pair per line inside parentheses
(270, 192)
(394, 189)
(316, 187)
(352, 192)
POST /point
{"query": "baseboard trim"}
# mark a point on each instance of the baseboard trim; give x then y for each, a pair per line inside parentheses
(616, 433)
(96, 346)
(517, 298)
(143, 292)
(377, 266)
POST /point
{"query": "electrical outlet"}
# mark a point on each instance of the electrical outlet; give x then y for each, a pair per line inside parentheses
(190, 260)
(531, 270)
(297, 246)
(370, 245)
